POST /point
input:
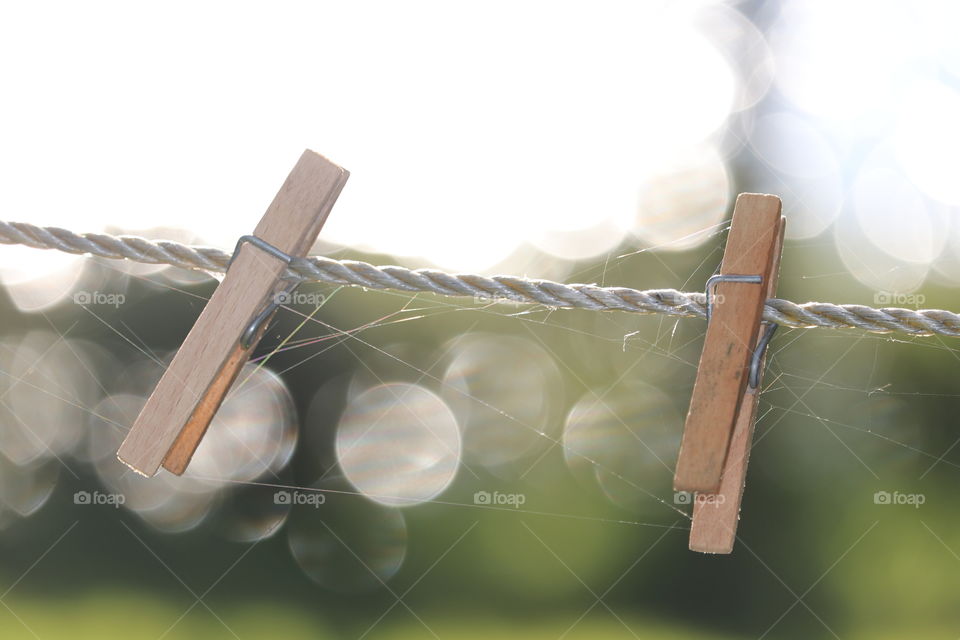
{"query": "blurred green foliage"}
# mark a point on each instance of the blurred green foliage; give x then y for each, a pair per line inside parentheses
(844, 415)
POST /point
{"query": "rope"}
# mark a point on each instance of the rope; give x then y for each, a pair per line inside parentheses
(495, 288)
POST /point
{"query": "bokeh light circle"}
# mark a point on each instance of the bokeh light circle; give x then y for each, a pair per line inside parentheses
(505, 391)
(253, 432)
(24, 489)
(398, 444)
(46, 383)
(746, 48)
(894, 215)
(347, 544)
(687, 195)
(872, 266)
(797, 160)
(250, 513)
(625, 438)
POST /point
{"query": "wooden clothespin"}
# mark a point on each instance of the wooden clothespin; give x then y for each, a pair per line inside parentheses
(180, 409)
(719, 427)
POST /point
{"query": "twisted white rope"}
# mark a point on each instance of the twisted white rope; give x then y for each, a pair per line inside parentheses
(545, 292)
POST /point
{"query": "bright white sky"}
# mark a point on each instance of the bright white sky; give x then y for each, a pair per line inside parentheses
(467, 131)
(472, 133)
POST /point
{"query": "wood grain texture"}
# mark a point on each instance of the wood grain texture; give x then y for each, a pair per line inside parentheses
(177, 414)
(716, 516)
(731, 336)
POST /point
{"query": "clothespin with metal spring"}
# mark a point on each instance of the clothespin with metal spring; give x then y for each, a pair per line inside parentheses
(719, 426)
(176, 415)
(251, 333)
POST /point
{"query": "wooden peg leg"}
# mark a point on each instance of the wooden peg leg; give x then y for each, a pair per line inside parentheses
(177, 414)
(728, 346)
(716, 516)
